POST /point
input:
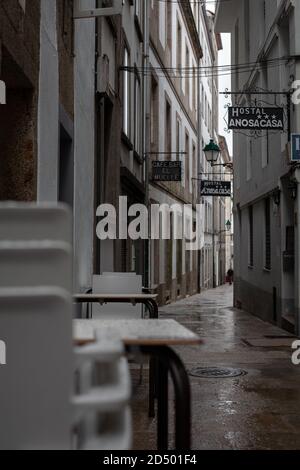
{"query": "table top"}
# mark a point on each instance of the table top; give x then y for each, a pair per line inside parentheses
(136, 332)
(129, 297)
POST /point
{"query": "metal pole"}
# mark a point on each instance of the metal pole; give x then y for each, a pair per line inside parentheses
(146, 138)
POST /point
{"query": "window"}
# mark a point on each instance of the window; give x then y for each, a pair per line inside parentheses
(168, 136)
(187, 76)
(194, 169)
(251, 246)
(137, 116)
(138, 11)
(187, 161)
(268, 263)
(66, 168)
(137, 8)
(178, 138)
(169, 24)
(194, 88)
(126, 94)
(154, 114)
(179, 52)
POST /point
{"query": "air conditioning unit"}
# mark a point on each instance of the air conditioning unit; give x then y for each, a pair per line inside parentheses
(109, 8)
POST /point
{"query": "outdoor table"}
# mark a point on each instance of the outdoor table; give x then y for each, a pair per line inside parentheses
(155, 338)
(148, 300)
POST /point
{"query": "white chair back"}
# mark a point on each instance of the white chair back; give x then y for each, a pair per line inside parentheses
(28, 221)
(34, 264)
(117, 284)
(36, 382)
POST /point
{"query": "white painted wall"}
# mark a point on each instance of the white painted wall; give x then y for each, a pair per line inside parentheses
(48, 106)
(84, 148)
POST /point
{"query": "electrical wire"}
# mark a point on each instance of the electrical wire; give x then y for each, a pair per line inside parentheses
(212, 73)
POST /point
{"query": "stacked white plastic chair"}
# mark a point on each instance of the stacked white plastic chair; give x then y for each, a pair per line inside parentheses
(103, 416)
(37, 383)
(36, 326)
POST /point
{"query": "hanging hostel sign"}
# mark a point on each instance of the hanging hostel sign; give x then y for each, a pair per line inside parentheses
(255, 118)
(216, 188)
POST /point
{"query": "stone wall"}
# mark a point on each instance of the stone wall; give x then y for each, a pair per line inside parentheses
(19, 69)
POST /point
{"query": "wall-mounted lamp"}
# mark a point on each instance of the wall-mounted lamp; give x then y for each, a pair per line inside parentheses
(212, 152)
(228, 226)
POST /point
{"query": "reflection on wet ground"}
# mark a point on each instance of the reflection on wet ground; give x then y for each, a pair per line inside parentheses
(260, 410)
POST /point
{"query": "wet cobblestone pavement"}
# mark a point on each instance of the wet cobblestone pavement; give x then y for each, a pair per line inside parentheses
(258, 410)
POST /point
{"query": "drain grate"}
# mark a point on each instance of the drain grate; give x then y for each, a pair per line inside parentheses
(216, 372)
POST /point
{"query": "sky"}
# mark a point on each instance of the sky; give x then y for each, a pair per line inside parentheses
(225, 82)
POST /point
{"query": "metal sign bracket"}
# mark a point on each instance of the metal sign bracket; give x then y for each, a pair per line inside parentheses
(115, 9)
(260, 93)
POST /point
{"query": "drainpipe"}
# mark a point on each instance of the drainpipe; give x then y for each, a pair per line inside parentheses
(199, 132)
(146, 137)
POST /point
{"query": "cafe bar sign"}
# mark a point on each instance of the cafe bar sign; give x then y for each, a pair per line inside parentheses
(166, 171)
(216, 188)
(255, 118)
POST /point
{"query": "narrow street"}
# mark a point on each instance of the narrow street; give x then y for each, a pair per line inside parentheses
(258, 410)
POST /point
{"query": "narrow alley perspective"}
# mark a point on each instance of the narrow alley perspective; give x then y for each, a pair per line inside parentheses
(150, 231)
(256, 409)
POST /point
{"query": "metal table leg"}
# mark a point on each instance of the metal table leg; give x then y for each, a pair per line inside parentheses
(152, 307)
(152, 387)
(163, 408)
(172, 363)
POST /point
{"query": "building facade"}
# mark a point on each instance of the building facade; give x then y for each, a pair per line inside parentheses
(175, 53)
(47, 155)
(266, 202)
(91, 103)
(211, 257)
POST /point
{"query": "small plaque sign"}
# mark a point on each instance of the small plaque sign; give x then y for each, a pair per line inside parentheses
(216, 188)
(166, 171)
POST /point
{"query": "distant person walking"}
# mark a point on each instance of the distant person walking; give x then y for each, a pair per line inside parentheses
(230, 276)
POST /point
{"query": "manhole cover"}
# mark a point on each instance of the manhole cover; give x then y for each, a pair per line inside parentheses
(216, 372)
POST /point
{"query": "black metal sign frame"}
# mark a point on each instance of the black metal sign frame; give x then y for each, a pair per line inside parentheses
(215, 188)
(255, 98)
(255, 118)
(166, 171)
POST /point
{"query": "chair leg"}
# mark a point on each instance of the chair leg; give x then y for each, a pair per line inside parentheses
(152, 380)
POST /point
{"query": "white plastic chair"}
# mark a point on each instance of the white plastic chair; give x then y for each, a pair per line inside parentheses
(102, 414)
(29, 221)
(41, 263)
(117, 284)
(36, 383)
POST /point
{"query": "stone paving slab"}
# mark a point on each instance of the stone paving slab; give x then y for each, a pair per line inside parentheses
(260, 410)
